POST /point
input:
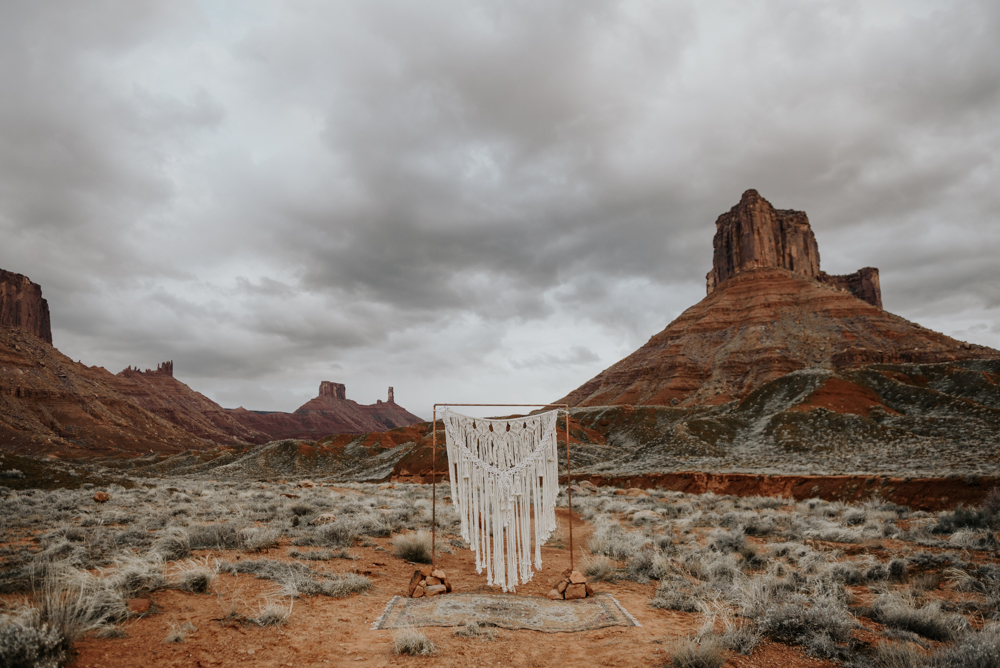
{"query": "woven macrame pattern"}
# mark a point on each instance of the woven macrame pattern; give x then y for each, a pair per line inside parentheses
(499, 469)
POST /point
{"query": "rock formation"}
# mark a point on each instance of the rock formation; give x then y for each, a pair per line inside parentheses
(755, 235)
(769, 311)
(22, 306)
(330, 412)
(157, 391)
(50, 404)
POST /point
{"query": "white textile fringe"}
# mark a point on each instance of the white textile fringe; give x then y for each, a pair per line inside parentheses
(499, 469)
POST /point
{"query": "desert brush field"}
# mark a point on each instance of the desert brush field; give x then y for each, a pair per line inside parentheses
(192, 571)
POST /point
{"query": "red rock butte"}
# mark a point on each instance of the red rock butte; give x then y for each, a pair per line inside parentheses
(22, 306)
(770, 310)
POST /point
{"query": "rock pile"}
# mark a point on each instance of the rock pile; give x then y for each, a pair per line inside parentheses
(572, 585)
(429, 581)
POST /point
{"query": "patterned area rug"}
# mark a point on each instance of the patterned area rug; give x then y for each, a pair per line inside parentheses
(506, 611)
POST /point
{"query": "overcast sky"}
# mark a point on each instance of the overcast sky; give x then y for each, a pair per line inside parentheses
(475, 201)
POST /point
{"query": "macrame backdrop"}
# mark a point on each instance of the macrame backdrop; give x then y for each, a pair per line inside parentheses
(499, 469)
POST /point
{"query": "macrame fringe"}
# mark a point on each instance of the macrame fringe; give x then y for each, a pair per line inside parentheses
(499, 470)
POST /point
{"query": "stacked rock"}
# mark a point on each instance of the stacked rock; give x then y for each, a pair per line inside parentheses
(573, 585)
(429, 581)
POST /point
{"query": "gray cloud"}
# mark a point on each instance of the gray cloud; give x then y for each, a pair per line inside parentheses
(487, 200)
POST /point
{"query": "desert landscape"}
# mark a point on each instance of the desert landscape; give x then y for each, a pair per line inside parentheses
(739, 260)
(822, 490)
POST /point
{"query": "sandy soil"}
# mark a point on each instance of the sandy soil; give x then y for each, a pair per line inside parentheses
(336, 632)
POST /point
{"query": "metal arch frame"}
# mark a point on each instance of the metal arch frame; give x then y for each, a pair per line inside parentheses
(434, 472)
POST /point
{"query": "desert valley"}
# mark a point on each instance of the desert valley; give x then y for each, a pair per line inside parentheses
(787, 473)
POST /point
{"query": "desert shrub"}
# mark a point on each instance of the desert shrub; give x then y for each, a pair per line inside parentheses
(886, 655)
(476, 630)
(817, 623)
(975, 650)
(320, 555)
(709, 653)
(11, 474)
(28, 642)
(341, 533)
(218, 536)
(991, 503)
(677, 593)
(135, 574)
(725, 541)
(298, 579)
(412, 642)
(742, 638)
(600, 567)
(301, 509)
(413, 547)
(971, 539)
(962, 518)
(273, 613)
(855, 517)
(72, 602)
(173, 544)
(257, 539)
(195, 576)
(611, 540)
(897, 611)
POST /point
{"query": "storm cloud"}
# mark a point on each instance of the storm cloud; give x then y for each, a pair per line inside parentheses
(474, 201)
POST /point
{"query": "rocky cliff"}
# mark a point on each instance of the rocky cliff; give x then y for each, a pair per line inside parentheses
(157, 391)
(22, 306)
(50, 404)
(770, 311)
(330, 412)
(755, 235)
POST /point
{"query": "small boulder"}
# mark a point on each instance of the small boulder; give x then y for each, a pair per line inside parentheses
(414, 582)
(439, 574)
(636, 492)
(102, 497)
(418, 592)
(561, 586)
(576, 591)
(434, 581)
(555, 595)
(434, 590)
(576, 577)
(325, 518)
(307, 484)
(590, 590)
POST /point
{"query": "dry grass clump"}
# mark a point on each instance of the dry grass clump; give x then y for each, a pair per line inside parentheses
(599, 567)
(476, 630)
(414, 547)
(28, 642)
(412, 642)
(709, 653)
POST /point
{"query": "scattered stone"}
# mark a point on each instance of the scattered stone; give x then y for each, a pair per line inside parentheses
(636, 492)
(325, 518)
(102, 497)
(387, 485)
(414, 583)
(306, 484)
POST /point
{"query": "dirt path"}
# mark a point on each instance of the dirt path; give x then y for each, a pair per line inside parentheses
(336, 632)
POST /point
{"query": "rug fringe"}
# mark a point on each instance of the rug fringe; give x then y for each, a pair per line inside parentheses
(624, 611)
(385, 613)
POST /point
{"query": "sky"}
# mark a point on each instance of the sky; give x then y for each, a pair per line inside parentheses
(475, 201)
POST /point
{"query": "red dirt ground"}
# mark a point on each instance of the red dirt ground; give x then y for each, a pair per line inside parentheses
(336, 632)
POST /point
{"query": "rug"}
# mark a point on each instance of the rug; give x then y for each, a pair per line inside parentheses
(506, 611)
